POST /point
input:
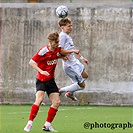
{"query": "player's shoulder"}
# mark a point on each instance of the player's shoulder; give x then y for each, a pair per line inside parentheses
(43, 51)
(63, 34)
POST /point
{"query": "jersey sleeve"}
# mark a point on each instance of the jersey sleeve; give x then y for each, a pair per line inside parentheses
(62, 39)
(39, 55)
(36, 58)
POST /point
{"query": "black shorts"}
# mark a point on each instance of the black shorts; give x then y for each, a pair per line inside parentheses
(48, 86)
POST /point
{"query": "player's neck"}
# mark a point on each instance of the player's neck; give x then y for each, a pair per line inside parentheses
(51, 48)
(65, 32)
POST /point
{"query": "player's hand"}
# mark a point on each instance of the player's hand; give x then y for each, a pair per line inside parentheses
(45, 73)
(85, 61)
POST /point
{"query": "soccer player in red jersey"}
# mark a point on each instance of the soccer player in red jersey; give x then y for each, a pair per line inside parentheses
(44, 61)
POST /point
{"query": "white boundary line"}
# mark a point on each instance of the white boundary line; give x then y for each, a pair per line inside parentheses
(13, 113)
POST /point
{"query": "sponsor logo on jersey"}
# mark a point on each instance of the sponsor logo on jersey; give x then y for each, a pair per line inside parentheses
(52, 62)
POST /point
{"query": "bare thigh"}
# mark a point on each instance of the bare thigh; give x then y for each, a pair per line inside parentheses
(84, 74)
(54, 97)
(39, 97)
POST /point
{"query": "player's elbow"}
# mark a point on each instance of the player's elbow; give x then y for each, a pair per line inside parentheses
(31, 62)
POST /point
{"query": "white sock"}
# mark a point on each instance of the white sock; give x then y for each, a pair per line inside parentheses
(47, 124)
(71, 88)
(30, 122)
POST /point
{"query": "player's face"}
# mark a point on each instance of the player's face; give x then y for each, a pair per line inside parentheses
(54, 44)
(67, 29)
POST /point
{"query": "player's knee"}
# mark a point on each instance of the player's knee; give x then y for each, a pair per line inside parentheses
(86, 76)
(56, 103)
(82, 85)
(38, 101)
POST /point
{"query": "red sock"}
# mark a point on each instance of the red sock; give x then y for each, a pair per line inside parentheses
(51, 114)
(33, 112)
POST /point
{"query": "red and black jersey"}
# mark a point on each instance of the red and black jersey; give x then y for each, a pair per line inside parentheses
(46, 60)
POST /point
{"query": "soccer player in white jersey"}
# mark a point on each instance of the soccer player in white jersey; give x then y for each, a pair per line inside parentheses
(71, 66)
(45, 61)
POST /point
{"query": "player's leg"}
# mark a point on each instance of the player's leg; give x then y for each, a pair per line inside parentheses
(80, 86)
(79, 82)
(78, 75)
(53, 94)
(84, 74)
(54, 97)
(73, 73)
(34, 110)
(40, 90)
(72, 88)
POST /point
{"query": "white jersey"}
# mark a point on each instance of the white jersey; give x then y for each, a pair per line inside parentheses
(72, 67)
(66, 43)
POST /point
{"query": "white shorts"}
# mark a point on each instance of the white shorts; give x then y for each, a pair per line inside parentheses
(75, 72)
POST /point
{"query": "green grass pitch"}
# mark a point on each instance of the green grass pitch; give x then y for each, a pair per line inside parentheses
(69, 119)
